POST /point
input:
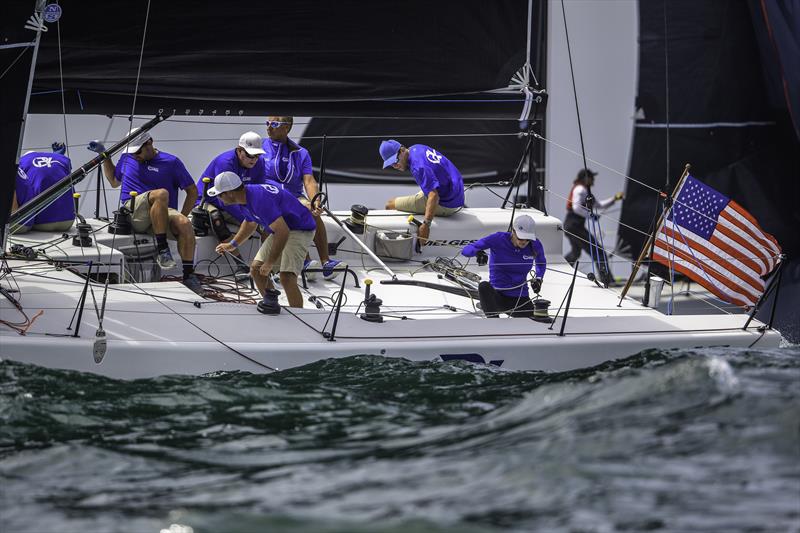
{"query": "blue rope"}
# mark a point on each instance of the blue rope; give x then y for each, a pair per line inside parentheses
(601, 250)
(592, 242)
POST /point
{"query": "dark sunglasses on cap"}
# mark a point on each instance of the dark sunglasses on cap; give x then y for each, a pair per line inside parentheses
(276, 124)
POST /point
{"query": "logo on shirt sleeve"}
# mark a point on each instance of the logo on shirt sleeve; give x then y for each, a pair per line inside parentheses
(433, 156)
(271, 188)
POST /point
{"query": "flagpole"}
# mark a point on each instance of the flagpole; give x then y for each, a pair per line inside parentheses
(652, 237)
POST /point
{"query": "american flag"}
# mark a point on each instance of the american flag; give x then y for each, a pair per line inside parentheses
(716, 243)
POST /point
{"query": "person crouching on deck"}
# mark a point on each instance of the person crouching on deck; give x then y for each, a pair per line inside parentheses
(291, 227)
(512, 256)
(440, 182)
(36, 172)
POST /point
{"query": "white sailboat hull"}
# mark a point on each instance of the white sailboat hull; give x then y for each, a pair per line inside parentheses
(163, 328)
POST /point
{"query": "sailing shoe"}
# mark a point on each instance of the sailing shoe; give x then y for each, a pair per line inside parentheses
(331, 268)
(269, 305)
(193, 282)
(165, 260)
(310, 263)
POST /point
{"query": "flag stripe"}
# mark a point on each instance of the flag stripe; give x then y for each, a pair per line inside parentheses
(740, 224)
(771, 243)
(695, 274)
(708, 276)
(725, 261)
(734, 250)
(716, 271)
(738, 239)
(729, 219)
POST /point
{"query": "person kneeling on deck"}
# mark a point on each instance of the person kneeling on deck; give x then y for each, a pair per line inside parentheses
(292, 231)
(156, 177)
(512, 257)
(244, 161)
(36, 172)
(441, 184)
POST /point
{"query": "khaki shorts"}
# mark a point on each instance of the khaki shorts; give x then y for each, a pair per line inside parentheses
(294, 253)
(416, 204)
(141, 215)
(63, 225)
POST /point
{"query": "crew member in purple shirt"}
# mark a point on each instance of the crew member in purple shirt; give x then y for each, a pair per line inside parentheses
(245, 162)
(292, 231)
(441, 184)
(156, 177)
(36, 172)
(289, 164)
(513, 254)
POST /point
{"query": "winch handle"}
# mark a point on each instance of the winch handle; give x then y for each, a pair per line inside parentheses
(322, 197)
(133, 195)
(76, 196)
(206, 183)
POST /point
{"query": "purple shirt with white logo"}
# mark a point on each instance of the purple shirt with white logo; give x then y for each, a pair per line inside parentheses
(287, 163)
(434, 172)
(268, 201)
(509, 265)
(38, 171)
(164, 171)
(229, 161)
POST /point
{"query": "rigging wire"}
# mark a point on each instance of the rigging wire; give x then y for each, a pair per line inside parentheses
(139, 70)
(61, 79)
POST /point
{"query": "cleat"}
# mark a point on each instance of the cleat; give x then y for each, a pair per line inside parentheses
(310, 263)
(165, 260)
(269, 305)
(332, 268)
(193, 282)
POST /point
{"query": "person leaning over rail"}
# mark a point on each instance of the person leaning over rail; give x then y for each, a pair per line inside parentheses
(578, 210)
(292, 231)
(36, 172)
(441, 184)
(512, 256)
(245, 161)
(156, 177)
(289, 164)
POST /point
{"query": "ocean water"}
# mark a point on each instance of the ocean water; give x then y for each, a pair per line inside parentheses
(705, 440)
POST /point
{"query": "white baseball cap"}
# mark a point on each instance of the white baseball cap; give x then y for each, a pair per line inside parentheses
(251, 142)
(525, 227)
(224, 182)
(137, 141)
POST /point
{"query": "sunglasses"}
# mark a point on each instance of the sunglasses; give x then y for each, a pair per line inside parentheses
(248, 156)
(276, 124)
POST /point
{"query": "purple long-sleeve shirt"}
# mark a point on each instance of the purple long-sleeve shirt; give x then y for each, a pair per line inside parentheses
(509, 265)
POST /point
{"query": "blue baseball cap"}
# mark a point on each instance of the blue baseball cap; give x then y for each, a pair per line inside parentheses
(389, 151)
